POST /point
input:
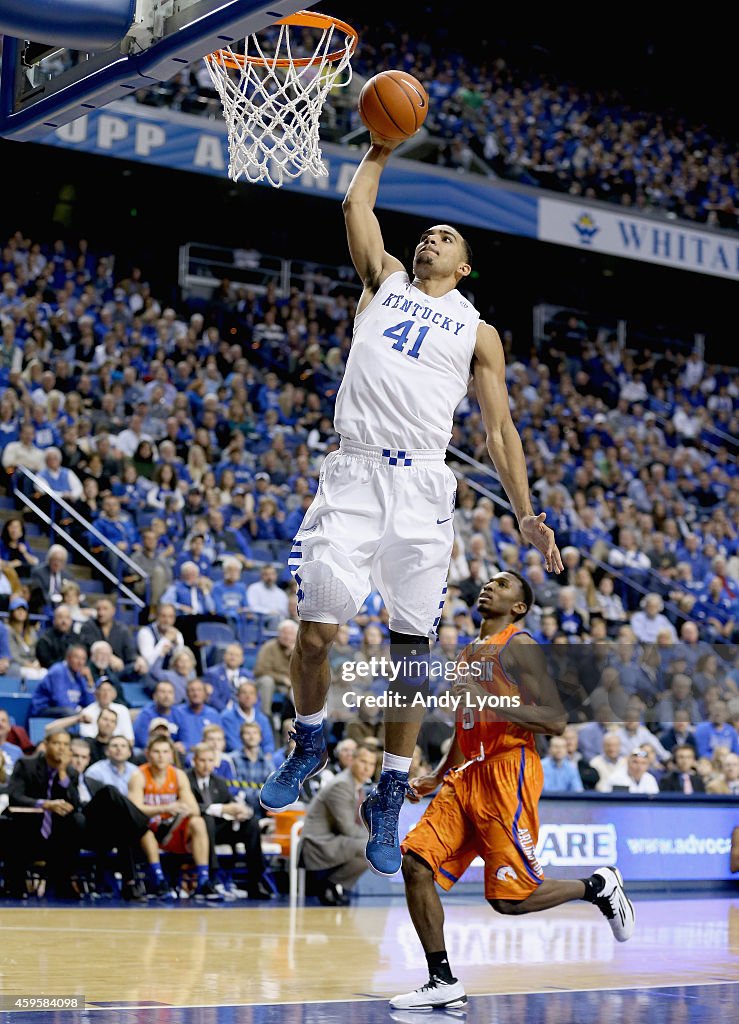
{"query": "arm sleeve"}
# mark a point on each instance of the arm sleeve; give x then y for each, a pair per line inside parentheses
(17, 788)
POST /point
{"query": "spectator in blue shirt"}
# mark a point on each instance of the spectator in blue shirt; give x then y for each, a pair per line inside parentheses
(116, 528)
(196, 553)
(560, 774)
(181, 669)
(569, 620)
(190, 593)
(163, 705)
(66, 688)
(195, 715)
(243, 711)
(115, 769)
(294, 519)
(230, 594)
(130, 490)
(252, 764)
(268, 524)
(590, 736)
(716, 732)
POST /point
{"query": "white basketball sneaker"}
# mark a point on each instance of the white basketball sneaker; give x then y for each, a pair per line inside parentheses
(614, 904)
(434, 995)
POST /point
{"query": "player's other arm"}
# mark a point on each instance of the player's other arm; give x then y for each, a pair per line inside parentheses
(363, 233)
(524, 663)
(425, 784)
(504, 443)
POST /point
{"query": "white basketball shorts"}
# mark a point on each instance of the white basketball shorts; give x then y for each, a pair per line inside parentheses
(382, 519)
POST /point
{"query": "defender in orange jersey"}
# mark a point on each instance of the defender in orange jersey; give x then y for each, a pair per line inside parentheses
(163, 793)
(491, 781)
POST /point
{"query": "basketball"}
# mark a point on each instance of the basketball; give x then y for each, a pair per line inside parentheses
(393, 104)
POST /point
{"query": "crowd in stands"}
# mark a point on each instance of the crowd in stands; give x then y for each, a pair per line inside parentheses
(191, 441)
(528, 126)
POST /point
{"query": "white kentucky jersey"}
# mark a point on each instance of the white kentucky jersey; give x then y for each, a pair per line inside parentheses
(409, 367)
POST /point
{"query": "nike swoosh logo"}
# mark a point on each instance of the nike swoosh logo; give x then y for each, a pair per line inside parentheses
(421, 99)
(440, 521)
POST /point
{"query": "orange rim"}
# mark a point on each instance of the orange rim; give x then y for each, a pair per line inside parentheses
(306, 19)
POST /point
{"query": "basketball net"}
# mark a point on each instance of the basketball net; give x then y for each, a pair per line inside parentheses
(272, 101)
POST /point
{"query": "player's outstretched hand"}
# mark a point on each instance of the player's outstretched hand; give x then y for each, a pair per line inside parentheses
(422, 785)
(534, 532)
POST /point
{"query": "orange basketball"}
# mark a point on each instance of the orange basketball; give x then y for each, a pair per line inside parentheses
(393, 104)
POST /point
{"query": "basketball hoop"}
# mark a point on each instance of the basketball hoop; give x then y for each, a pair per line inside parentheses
(272, 102)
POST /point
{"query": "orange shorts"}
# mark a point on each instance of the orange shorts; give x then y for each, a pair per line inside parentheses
(488, 810)
(175, 841)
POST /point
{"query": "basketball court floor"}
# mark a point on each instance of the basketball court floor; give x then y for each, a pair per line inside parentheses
(310, 964)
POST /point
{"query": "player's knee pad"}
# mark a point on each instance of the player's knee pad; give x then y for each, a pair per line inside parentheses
(322, 597)
(410, 657)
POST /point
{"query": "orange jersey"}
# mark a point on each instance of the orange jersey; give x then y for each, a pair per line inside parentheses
(483, 732)
(163, 793)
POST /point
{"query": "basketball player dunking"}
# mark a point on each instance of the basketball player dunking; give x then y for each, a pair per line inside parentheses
(488, 802)
(385, 501)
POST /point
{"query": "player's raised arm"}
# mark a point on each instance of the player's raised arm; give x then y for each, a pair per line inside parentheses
(504, 443)
(366, 246)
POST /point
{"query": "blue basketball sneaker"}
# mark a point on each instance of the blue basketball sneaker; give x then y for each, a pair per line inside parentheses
(308, 758)
(380, 812)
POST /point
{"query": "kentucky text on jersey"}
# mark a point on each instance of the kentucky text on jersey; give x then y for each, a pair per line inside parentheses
(408, 367)
(426, 312)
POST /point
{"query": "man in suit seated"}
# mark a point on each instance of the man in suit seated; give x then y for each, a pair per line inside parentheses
(53, 820)
(228, 821)
(334, 837)
(225, 679)
(81, 757)
(45, 827)
(684, 779)
(47, 580)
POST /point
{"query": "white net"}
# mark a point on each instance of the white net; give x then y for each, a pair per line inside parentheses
(272, 101)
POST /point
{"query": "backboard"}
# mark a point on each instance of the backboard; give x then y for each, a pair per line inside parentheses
(63, 58)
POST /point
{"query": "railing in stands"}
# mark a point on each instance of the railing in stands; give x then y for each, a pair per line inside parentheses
(42, 486)
(203, 267)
